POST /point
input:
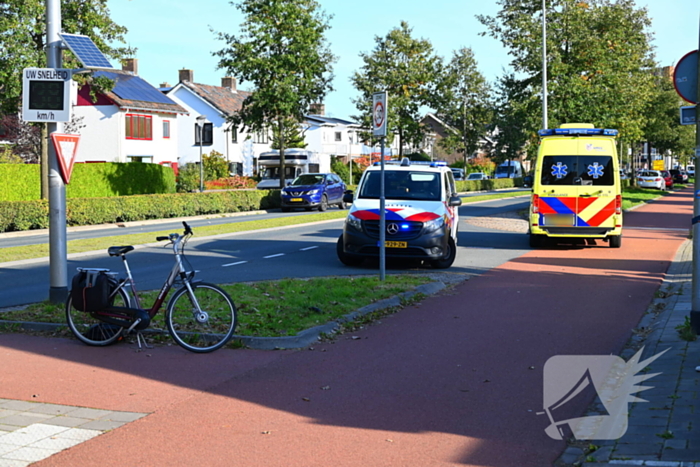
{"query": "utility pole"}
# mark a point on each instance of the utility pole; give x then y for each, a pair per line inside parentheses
(58, 237)
(695, 312)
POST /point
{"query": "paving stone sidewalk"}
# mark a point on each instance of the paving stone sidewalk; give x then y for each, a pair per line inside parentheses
(665, 431)
(31, 431)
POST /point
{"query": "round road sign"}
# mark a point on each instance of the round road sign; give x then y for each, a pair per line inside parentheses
(685, 77)
(379, 114)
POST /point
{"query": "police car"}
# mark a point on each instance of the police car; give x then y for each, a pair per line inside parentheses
(420, 211)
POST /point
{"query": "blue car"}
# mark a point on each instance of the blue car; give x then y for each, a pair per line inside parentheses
(314, 191)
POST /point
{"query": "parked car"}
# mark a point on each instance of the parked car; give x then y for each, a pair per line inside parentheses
(313, 191)
(679, 176)
(528, 180)
(457, 173)
(477, 176)
(650, 179)
(668, 179)
(691, 170)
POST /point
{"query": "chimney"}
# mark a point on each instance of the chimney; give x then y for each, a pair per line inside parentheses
(186, 75)
(317, 109)
(164, 85)
(131, 64)
(229, 82)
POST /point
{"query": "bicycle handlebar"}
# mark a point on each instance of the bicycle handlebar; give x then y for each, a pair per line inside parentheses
(188, 231)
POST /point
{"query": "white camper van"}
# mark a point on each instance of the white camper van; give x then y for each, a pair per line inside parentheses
(509, 169)
(296, 162)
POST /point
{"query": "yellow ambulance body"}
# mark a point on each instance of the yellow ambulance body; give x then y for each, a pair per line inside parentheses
(576, 191)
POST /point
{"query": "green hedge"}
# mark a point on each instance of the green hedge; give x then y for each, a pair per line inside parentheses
(488, 185)
(22, 182)
(26, 215)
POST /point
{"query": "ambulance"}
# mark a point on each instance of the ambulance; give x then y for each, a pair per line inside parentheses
(421, 215)
(576, 189)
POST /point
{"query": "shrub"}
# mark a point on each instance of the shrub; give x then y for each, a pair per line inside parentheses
(188, 178)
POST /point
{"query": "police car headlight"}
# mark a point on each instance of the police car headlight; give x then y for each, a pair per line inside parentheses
(435, 224)
(353, 222)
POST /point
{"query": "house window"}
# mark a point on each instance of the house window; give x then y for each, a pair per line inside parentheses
(139, 126)
(338, 136)
(207, 131)
(166, 128)
(234, 134)
(261, 137)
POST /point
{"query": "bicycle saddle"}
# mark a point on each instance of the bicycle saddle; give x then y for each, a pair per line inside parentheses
(119, 250)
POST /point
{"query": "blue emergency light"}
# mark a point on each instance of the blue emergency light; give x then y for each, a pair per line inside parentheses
(578, 132)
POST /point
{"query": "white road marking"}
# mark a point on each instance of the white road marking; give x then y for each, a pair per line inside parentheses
(308, 248)
(234, 264)
(273, 256)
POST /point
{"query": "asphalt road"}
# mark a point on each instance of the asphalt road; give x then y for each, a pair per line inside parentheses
(297, 251)
(454, 380)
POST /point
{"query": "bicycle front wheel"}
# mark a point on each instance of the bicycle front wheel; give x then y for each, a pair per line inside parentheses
(89, 328)
(203, 320)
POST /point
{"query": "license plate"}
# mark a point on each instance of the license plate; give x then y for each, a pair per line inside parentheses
(296, 200)
(559, 219)
(396, 244)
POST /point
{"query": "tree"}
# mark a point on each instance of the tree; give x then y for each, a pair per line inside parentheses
(599, 59)
(662, 129)
(514, 121)
(293, 136)
(409, 71)
(467, 108)
(282, 51)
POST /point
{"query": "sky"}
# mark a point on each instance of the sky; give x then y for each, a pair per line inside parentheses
(173, 34)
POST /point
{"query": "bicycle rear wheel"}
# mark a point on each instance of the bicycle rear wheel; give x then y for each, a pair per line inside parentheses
(91, 330)
(204, 328)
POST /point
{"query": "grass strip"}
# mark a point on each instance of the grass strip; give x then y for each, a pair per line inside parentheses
(271, 308)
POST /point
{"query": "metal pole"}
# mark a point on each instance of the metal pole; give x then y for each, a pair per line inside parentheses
(201, 161)
(382, 217)
(58, 237)
(545, 123)
(695, 313)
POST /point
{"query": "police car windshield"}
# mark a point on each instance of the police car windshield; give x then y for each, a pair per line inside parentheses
(404, 185)
(578, 170)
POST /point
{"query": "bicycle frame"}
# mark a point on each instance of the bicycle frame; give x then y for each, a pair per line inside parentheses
(178, 270)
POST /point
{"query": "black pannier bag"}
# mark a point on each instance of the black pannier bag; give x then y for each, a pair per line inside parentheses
(90, 291)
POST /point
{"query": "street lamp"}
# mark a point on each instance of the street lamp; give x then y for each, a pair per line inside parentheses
(200, 125)
(545, 123)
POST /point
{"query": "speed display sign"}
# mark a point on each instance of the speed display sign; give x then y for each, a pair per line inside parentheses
(46, 94)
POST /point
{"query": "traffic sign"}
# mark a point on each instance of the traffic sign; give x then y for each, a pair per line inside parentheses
(688, 115)
(379, 113)
(66, 147)
(685, 77)
(46, 94)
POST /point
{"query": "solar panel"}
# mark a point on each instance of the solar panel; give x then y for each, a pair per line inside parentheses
(86, 51)
(135, 88)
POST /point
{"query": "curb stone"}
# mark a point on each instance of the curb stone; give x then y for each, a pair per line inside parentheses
(304, 338)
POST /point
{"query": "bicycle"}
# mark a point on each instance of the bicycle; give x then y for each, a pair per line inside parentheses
(201, 317)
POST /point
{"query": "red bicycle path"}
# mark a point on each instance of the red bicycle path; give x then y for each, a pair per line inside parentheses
(455, 380)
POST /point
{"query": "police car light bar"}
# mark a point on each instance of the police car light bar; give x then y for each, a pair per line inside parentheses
(578, 131)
